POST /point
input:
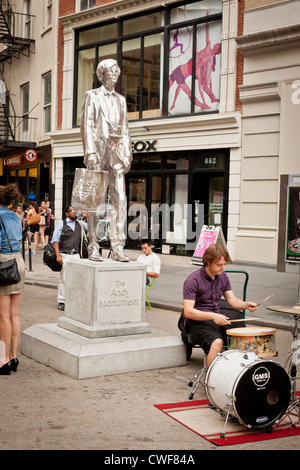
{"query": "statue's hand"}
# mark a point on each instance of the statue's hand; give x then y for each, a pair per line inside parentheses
(90, 162)
(118, 169)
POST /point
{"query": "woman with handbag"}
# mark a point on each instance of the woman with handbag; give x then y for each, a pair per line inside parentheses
(10, 294)
(33, 220)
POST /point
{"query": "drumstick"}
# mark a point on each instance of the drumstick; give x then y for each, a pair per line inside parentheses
(267, 298)
(244, 319)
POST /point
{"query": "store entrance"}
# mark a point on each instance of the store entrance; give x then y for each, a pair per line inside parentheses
(209, 190)
(144, 197)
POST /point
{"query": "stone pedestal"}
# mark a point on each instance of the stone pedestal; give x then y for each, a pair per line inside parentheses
(103, 330)
(105, 299)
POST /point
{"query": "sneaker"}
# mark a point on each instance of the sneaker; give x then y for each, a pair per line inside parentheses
(33, 252)
(61, 306)
(26, 252)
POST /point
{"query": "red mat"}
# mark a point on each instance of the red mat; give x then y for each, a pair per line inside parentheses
(207, 423)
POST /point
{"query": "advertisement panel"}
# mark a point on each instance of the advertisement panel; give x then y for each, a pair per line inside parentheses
(292, 249)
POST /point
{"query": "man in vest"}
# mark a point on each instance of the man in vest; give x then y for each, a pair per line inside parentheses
(66, 243)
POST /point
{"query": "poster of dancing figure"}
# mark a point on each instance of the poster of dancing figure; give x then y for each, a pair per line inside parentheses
(207, 68)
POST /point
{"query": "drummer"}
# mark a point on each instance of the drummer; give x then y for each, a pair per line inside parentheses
(202, 291)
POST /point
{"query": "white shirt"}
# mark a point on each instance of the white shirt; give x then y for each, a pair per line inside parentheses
(151, 261)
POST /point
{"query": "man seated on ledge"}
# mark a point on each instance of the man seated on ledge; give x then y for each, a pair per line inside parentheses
(149, 259)
(202, 291)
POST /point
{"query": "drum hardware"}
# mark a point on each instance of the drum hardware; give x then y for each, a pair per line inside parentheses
(291, 363)
(197, 380)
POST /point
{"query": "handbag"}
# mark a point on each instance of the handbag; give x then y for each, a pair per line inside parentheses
(9, 272)
(33, 219)
(49, 258)
(42, 220)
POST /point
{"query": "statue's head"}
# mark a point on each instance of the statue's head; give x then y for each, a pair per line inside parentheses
(108, 71)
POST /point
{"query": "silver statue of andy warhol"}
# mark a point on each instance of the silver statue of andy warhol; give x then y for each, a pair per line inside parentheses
(107, 156)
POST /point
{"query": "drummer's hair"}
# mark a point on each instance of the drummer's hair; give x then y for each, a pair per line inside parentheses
(214, 252)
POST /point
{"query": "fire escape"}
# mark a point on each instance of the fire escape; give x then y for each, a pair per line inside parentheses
(15, 41)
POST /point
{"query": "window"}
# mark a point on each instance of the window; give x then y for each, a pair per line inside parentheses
(25, 110)
(47, 103)
(48, 13)
(27, 19)
(169, 58)
(85, 4)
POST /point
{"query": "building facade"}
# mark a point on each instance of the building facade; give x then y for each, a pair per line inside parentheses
(28, 64)
(270, 160)
(213, 95)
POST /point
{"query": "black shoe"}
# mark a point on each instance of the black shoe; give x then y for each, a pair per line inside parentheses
(14, 364)
(5, 369)
(61, 306)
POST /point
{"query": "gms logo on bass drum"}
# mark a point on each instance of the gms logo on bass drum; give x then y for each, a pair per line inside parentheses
(261, 376)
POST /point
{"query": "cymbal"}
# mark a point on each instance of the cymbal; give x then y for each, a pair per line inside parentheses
(291, 310)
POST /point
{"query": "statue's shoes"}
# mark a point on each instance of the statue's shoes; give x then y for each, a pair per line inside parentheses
(93, 253)
(118, 255)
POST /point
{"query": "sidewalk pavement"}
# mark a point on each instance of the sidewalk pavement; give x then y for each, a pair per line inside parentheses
(167, 290)
(42, 409)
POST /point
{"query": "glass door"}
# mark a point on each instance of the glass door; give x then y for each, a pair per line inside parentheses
(209, 190)
(138, 220)
(144, 200)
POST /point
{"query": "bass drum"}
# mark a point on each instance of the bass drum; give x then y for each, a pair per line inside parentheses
(255, 391)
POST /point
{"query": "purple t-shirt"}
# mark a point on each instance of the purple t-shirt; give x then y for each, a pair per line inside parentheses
(205, 291)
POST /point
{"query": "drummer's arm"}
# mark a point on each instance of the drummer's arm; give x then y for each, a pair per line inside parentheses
(199, 315)
(238, 304)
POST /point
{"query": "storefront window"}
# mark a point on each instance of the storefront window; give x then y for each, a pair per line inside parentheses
(146, 22)
(175, 216)
(22, 182)
(131, 76)
(105, 32)
(151, 76)
(157, 81)
(195, 10)
(206, 69)
(87, 71)
(207, 74)
(32, 193)
(216, 201)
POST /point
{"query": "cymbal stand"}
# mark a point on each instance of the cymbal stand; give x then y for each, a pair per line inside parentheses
(291, 368)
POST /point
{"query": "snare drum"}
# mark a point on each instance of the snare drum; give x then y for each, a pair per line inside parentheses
(260, 340)
(255, 391)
